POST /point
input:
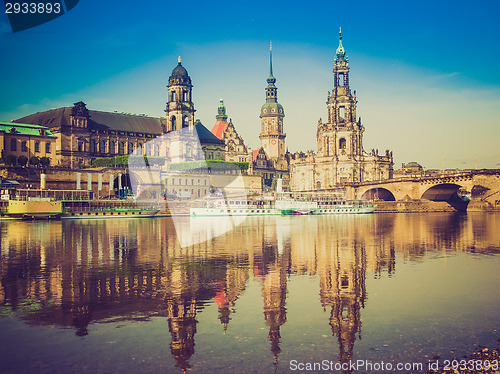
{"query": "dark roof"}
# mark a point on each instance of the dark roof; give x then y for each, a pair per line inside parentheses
(206, 136)
(180, 72)
(97, 120)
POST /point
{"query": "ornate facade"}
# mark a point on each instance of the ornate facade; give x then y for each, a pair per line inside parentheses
(236, 150)
(340, 158)
(83, 134)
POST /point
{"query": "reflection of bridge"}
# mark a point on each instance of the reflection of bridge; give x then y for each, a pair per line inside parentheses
(483, 184)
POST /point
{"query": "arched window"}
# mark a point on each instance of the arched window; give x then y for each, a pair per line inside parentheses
(174, 123)
(148, 149)
(111, 147)
(92, 146)
(139, 149)
(342, 143)
(102, 146)
(130, 148)
(121, 148)
(185, 121)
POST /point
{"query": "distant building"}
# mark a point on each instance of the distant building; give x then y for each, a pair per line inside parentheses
(235, 148)
(18, 139)
(409, 169)
(340, 158)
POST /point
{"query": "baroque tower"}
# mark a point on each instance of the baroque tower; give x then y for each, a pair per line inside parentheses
(180, 108)
(342, 136)
(340, 158)
(272, 137)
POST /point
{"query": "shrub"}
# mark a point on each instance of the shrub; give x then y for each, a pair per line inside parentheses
(22, 160)
(10, 160)
(45, 162)
(35, 161)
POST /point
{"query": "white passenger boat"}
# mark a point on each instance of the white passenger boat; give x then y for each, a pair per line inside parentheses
(284, 204)
(235, 207)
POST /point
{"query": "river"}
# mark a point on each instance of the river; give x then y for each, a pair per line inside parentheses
(273, 294)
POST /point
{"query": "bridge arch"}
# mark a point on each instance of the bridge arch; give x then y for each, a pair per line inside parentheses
(378, 194)
(441, 192)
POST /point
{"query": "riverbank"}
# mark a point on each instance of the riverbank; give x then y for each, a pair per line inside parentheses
(423, 206)
(486, 360)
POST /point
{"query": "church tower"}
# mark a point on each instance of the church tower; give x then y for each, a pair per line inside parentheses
(272, 137)
(180, 108)
(342, 136)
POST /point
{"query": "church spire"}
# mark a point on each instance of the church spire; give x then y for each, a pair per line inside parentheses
(340, 54)
(271, 80)
(271, 59)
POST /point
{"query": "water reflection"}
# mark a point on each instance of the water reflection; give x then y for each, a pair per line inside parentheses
(75, 273)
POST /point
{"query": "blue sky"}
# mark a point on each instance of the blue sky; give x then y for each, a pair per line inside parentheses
(425, 72)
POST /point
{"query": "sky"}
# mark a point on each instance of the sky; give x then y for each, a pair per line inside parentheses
(425, 72)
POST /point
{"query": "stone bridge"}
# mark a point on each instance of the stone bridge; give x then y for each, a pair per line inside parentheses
(482, 185)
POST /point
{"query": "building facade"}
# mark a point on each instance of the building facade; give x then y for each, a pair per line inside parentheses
(235, 148)
(340, 158)
(26, 140)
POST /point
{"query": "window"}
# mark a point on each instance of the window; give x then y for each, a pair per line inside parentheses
(130, 148)
(92, 146)
(341, 80)
(139, 149)
(24, 146)
(341, 114)
(148, 149)
(174, 123)
(121, 148)
(37, 147)
(185, 121)
(13, 144)
(111, 147)
(184, 98)
(80, 146)
(156, 150)
(102, 146)
(47, 147)
(172, 96)
(342, 143)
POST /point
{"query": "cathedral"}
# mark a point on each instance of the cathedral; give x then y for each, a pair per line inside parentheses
(340, 158)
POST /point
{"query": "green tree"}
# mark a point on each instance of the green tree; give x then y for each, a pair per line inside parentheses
(45, 162)
(22, 160)
(34, 161)
(10, 160)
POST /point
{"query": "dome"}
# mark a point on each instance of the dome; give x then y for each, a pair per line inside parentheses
(270, 108)
(179, 76)
(413, 164)
(179, 72)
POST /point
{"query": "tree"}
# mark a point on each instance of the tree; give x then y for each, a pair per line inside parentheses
(10, 160)
(34, 161)
(45, 162)
(22, 160)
